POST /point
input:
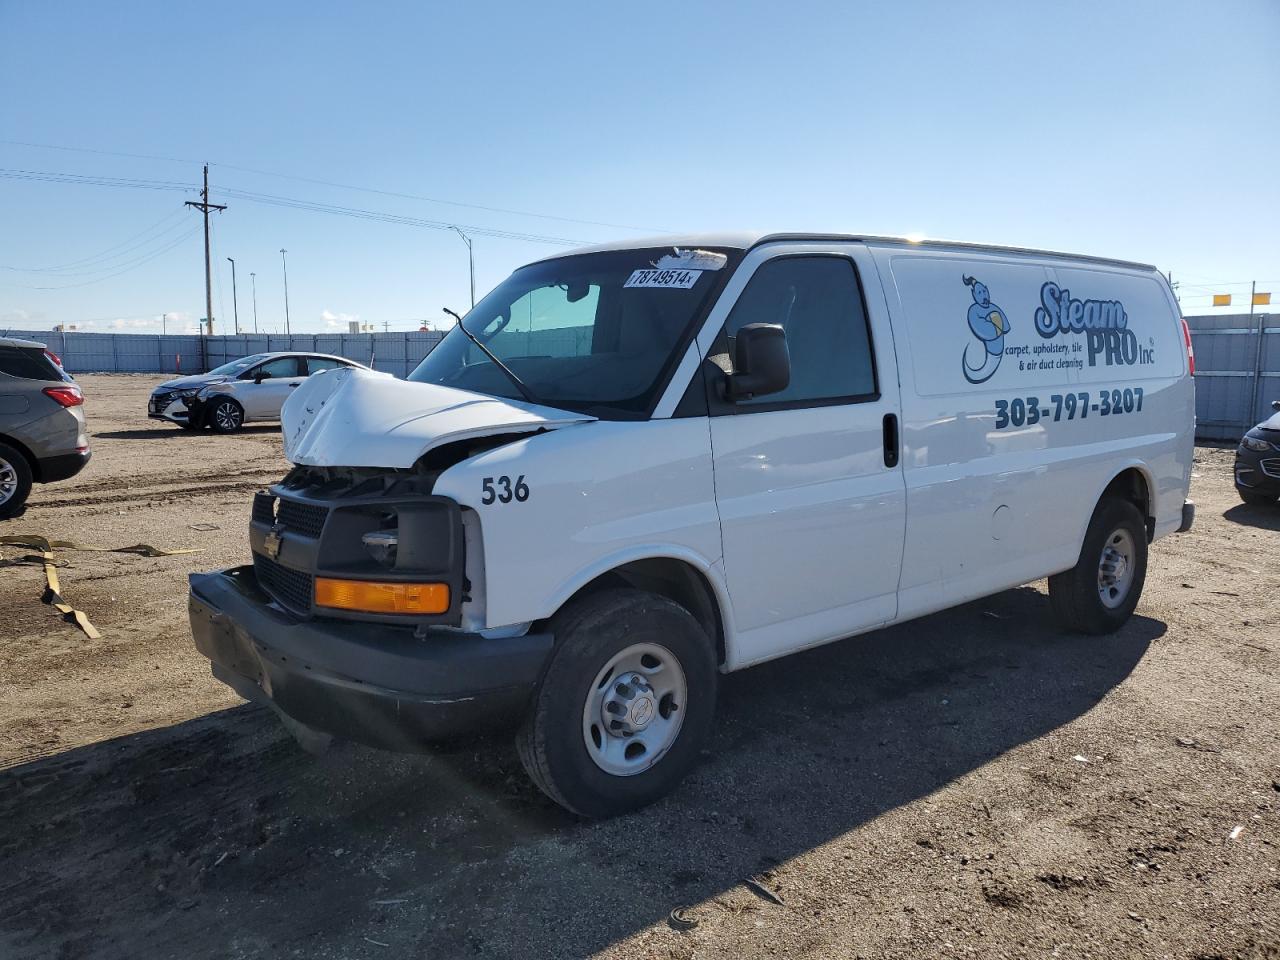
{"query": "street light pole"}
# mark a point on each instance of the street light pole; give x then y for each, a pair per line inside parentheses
(164, 317)
(253, 283)
(471, 262)
(235, 304)
(284, 263)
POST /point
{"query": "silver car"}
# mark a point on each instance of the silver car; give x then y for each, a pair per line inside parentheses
(242, 391)
(42, 433)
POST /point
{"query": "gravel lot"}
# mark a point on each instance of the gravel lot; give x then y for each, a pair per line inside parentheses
(976, 783)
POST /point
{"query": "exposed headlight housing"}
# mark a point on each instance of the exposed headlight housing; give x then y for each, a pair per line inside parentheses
(1255, 444)
(382, 545)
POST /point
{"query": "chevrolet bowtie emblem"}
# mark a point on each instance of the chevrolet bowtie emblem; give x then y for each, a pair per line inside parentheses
(271, 545)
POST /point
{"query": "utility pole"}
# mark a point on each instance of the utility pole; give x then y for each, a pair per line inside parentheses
(204, 206)
(164, 317)
(471, 262)
(253, 282)
(235, 304)
(386, 326)
(284, 263)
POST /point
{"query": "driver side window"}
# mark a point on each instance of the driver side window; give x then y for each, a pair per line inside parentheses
(278, 369)
(817, 301)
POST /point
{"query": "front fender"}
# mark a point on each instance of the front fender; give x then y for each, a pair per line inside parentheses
(598, 495)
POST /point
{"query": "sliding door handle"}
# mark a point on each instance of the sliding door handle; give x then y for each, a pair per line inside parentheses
(890, 439)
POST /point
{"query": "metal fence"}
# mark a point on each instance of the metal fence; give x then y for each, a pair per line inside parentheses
(1237, 372)
(1237, 359)
(395, 353)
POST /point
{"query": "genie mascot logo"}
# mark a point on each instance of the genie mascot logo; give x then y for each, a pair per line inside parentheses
(989, 324)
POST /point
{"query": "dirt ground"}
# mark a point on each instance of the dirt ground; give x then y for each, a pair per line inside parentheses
(973, 784)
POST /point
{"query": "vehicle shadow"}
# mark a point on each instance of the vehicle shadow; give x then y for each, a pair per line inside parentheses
(1265, 517)
(218, 837)
(175, 432)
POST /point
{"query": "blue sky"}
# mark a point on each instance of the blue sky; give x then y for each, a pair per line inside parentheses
(1141, 130)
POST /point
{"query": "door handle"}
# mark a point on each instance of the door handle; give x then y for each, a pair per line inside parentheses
(890, 439)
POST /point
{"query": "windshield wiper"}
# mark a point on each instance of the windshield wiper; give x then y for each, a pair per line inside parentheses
(519, 384)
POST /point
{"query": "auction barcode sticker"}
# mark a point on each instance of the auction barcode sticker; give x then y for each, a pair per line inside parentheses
(671, 279)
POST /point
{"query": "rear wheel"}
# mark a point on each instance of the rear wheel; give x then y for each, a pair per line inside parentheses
(15, 481)
(1100, 592)
(625, 707)
(1255, 499)
(226, 416)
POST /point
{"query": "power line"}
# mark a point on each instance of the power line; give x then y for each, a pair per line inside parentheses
(105, 265)
(111, 252)
(291, 202)
(146, 258)
(342, 186)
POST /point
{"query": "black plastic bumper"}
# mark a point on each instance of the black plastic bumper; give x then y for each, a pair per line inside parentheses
(53, 469)
(371, 683)
(1253, 476)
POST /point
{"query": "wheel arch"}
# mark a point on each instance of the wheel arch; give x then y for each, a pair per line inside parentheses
(1132, 482)
(679, 575)
(33, 464)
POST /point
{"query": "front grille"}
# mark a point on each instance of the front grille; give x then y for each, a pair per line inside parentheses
(264, 510)
(302, 518)
(292, 588)
(1271, 467)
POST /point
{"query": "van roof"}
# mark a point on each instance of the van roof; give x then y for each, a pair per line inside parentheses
(745, 240)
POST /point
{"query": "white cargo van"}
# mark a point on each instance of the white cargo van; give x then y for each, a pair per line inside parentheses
(634, 467)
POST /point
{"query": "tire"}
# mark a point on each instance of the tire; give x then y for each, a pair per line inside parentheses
(189, 425)
(1255, 499)
(15, 481)
(563, 743)
(226, 416)
(1077, 595)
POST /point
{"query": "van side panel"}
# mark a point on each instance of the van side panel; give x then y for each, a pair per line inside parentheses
(1028, 384)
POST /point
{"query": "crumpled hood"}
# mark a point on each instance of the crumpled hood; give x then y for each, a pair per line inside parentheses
(194, 380)
(359, 418)
(1271, 423)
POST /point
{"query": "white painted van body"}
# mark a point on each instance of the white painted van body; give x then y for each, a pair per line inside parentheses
(1021, 385)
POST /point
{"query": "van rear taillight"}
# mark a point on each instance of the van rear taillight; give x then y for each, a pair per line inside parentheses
(1191, 351)
(68, 396)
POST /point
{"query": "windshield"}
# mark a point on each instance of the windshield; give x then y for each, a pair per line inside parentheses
(596, 332)
(237, 366)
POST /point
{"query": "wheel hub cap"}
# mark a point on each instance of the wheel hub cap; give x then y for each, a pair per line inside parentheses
(1115, 568)
(634, 709)
(628, 706)
(8, 481)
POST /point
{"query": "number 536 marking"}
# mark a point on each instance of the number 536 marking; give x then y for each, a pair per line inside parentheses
(505, 491)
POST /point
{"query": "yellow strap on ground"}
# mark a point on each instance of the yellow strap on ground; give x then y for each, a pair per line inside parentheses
(53, 588)
(44, 545)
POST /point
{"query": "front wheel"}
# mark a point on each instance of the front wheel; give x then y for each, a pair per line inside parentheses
(625, 707)
(1102, 590)
(226, 416)
(15, 481)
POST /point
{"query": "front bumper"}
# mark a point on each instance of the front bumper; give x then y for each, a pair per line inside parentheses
(53, 469)
(1258, 472)
(176, 410)
(371, 683)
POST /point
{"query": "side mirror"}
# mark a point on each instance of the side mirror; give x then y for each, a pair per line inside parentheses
(260, 376)
(761, 362)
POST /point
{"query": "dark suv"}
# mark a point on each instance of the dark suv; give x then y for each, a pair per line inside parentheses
(42, 433)
(1258, 461)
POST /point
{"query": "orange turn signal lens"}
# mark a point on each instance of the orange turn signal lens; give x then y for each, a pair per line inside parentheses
(370, 596)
